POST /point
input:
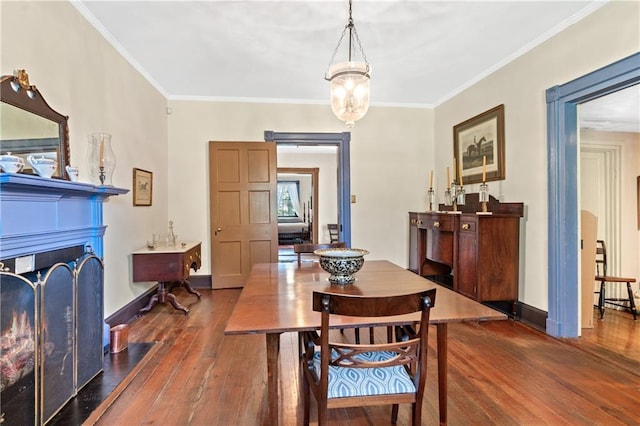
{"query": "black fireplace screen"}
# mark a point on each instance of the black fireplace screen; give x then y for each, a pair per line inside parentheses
(52, 319)
(18, 349)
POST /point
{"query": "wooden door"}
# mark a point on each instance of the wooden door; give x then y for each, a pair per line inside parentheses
(243, 206)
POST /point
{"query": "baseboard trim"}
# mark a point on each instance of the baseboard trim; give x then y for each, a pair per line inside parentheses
(532, 316)
(129, 311)
(200, 281)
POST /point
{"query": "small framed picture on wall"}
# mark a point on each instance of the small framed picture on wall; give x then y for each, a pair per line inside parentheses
(142, 187)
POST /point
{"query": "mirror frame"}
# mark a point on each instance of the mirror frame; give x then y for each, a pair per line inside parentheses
(15, 90)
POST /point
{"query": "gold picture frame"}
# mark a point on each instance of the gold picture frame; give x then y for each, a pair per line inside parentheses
(142, 187)
(476, 139)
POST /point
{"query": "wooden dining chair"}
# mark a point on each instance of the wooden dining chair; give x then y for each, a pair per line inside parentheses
(334, 232)
(353, 375)
(301, 249)
(603, 279)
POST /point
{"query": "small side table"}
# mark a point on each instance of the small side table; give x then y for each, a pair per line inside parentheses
(164, 265)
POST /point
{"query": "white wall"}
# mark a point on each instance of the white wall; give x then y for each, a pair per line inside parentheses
(609, 34)
(327, 203)
(390, 159)
(629, 144)
(82, 76)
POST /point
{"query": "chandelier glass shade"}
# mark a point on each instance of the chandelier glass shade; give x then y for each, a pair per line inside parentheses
(350, 88)
(349, 81)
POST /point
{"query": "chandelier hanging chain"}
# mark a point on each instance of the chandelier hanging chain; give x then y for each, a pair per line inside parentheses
(353, 34)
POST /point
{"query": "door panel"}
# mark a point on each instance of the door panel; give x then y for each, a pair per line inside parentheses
(243, 205)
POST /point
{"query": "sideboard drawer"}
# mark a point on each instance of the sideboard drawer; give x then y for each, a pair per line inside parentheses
(442, 222)
(467, 225)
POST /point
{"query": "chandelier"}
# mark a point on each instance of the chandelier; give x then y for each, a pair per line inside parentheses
(350, 81)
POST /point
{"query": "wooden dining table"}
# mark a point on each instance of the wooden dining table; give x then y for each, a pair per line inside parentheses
(276, 299)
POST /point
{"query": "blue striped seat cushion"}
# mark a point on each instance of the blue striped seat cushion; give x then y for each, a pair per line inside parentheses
(345, 382)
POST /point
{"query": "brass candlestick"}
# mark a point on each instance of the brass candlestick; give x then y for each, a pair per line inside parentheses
(101, 175)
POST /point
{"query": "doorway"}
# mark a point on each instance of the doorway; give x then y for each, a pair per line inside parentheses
(562, 178)
(341, 142)
(307, 182)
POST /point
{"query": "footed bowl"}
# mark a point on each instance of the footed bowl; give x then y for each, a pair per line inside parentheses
(341, 263)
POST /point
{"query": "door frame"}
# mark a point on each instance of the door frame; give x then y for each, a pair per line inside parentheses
(562, 181)
(341, 141)
(314, 173)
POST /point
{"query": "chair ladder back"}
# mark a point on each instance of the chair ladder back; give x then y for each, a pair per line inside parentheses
(357, 306)
(601, 257)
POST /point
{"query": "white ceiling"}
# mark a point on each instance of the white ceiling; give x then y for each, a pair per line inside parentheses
(421, 52)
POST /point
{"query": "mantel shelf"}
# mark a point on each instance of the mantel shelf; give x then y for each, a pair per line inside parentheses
(39, 215)
(32, 183)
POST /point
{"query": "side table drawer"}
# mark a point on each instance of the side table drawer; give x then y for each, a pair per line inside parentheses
(192, 260)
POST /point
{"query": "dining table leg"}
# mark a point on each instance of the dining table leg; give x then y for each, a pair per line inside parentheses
(441, 331)
(273, 355)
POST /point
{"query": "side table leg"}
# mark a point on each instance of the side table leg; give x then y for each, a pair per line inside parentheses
(152, 302)
(187, 285)
(171, 298)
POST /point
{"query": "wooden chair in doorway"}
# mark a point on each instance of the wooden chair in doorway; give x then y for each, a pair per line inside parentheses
(301, 249)
(603, 279)
(334, 232)
(351, 375)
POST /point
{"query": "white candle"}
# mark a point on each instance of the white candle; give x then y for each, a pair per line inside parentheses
(454, 168)
(484, 168)
(448, 180)
(431, 180)
(101, 153)
(461, 178)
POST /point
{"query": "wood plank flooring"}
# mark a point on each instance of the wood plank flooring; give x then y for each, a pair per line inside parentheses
(500, 373)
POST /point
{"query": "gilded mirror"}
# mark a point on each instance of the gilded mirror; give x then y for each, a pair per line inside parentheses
(29, 126)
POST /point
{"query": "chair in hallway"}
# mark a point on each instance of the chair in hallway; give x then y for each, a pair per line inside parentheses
(300, 249)
(351, 375)
(601, 265)
(334, 232)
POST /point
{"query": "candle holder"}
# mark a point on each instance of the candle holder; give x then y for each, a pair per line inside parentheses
(448, 198)
(101, 159)
(484, 196)
(460, 196)
(431, 198)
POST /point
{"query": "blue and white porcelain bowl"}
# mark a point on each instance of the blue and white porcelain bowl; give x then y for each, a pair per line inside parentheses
(341, 263)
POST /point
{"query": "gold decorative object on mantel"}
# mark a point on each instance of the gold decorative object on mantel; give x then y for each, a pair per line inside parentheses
(23, 79)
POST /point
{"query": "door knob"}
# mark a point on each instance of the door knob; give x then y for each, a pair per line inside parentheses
(218, 230)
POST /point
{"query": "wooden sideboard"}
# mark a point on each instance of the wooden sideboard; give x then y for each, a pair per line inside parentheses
(167, 264)
(476, 254)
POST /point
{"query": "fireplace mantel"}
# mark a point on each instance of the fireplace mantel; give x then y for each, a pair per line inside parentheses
(40, 214)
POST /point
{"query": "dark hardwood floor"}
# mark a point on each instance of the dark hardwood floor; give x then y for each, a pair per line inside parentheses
(500, 373)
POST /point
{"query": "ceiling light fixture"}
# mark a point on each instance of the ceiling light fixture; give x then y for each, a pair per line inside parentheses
(350, 81)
